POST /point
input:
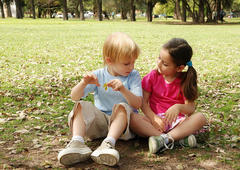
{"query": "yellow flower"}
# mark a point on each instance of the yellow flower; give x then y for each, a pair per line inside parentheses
(105, 86)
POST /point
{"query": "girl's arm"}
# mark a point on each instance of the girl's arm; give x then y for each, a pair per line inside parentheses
(156, 121)
(187, 108)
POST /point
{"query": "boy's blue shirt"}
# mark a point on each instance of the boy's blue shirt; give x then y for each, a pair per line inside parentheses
(104, 100)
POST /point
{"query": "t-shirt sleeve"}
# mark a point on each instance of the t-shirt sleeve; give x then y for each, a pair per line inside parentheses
(90, 87)
(135, 84)
(147, 82)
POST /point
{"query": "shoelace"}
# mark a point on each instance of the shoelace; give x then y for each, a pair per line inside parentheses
(169, 145)
(108, 144)
(69, 143)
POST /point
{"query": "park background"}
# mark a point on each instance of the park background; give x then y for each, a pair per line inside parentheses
(41, 60)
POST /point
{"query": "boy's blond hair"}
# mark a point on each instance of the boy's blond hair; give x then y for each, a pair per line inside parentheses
(119, 46)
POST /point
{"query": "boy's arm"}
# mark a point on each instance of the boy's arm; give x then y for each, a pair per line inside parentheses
(132, 99)
(78, 91)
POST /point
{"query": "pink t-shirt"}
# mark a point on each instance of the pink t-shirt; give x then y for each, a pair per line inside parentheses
(163, 95)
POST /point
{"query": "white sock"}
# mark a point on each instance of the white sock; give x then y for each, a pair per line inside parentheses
(165, 136)
(111, 140)
(79, 138)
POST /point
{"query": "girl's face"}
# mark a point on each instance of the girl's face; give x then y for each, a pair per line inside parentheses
(122, 67)
(165, 64)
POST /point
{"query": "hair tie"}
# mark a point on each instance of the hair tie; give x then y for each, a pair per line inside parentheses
(189, 64)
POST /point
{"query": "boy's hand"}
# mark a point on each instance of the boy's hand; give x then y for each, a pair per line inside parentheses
(115, 84)
(90, 79)
(158, 123)
(172, 114)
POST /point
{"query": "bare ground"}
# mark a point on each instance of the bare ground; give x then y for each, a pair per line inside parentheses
(133, 155)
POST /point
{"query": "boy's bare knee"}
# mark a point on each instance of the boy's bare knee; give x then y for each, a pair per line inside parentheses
(78, 109)
(121, 110)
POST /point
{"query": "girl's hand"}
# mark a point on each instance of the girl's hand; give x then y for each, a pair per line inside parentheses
(115, 84)
(158, 123)
(90, 79)
(171, 114)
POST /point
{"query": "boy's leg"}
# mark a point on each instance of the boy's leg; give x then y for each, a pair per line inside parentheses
(85, 118)
(142, 126)
(106, 153)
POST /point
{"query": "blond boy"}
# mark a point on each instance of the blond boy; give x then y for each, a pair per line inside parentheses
(117, 94)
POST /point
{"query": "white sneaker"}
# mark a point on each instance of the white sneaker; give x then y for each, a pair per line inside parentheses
(74, 152)
(105, 154)
(189, 141)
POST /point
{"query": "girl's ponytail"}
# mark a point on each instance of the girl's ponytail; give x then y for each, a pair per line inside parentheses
(189, 84)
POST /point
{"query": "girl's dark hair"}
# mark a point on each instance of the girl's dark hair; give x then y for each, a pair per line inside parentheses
(181, 53)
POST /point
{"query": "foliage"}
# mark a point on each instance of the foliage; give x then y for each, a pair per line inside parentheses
(167, 8)
(37, 76)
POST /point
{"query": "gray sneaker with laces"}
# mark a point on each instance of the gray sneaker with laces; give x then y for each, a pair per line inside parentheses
(74, 152)
(189, 141)
(106, 154)
(157, 143)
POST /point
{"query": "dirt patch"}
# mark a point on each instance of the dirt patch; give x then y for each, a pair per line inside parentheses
(133, 155)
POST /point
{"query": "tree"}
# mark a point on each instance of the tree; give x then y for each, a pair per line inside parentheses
(201, 11)
(19, 9)
(150, 5)
(81, 10)
(133, 8)
(177, 9)
(99, 7)
(33, 9)
(8, 4)
(184, 15)
(2, 10)
(65, 11)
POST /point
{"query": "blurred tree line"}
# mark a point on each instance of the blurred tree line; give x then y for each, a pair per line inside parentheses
(199, 10)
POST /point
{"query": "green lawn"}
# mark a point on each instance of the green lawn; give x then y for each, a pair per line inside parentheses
(41, 60)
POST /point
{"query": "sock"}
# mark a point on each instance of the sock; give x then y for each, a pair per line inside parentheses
(165, 136)
(111, 140)
(79, 138)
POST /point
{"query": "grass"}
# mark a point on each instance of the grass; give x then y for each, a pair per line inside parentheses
(41, 60)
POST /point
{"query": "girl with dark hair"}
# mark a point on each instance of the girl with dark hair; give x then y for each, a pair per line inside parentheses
(168, 100)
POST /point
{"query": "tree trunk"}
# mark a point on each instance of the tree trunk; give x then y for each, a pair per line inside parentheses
(218, 8)
(65, 11)
(19, 12)
(149, 11)
(99, 3)
(209, 12)
(201, 11)
(177, 9)
(123, 10)
(2, 10)
(76, 11)
(184, 16)
(81, 10)
(33, 9)
(9, 12)
(133, 15)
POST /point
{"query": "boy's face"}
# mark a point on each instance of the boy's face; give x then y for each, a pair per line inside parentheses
(122, 67)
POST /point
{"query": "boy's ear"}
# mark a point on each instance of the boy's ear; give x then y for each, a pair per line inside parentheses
(180, 68)
(108, 60)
